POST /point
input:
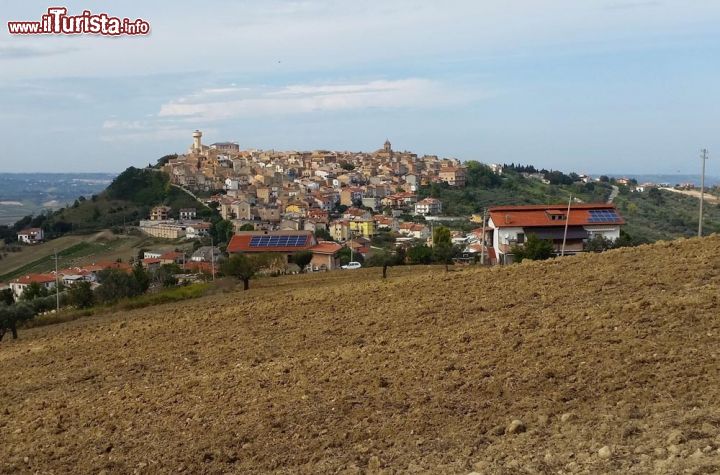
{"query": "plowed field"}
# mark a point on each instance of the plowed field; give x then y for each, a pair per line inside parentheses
(609, 362)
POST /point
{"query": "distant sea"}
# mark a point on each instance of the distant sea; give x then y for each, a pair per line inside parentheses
(669, 179)
(23, 194)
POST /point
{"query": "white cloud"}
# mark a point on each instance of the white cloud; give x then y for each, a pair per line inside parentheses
(143, 130)
(209, 104)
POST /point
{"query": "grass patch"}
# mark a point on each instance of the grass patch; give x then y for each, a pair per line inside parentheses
(175, 294)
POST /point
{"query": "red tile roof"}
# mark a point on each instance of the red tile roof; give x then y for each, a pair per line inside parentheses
(539, 215)
(28, 231)
(172, 255)
(326, 247)
(30, 278)
(200, 266)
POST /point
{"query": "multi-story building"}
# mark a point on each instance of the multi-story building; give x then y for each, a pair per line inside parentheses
(428, 206)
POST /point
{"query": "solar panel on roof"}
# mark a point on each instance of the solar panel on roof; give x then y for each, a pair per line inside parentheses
(603, 216)
(278, 241)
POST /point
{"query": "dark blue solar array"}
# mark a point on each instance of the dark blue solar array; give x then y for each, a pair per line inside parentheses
(278, 241)
(603, 216)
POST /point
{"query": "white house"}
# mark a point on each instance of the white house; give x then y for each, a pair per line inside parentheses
(428, 206)
(31, 235)
(19, 285)
(511, 225)
(188, 213)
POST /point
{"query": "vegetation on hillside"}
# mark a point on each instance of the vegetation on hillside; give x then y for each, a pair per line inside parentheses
(484, 189)
(128, 199)
(651, 215)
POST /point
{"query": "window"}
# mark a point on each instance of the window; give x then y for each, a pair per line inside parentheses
(521, 238)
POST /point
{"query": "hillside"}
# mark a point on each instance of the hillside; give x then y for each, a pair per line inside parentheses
(78, 250)
(126, 200)
(609, 360)
(651, 216)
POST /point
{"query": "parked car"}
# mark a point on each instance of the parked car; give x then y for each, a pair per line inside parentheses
(351, 265)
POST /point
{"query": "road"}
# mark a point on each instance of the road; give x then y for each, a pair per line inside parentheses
(695, 194)
(613, 194)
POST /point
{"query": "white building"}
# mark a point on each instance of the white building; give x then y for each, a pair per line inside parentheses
(31, 235)
(428, 206)
(19, 285)
(509, 226)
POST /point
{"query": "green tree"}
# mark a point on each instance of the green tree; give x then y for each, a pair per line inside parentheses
(165, 275)
(443, 253)
(13, 315)
(441, 235)
(141, 277)
(7, 297)
(34, 291)
(116, 284)
(322, 234)
(382, 258)
(81, 295)
(247, 227)
(599, 243)
(534, 249)
(302, 259)
(242, 267)
(420, 254)
(222, 231)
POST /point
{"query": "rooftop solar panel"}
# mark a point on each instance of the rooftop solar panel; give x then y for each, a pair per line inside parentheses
(278, 241)
(603, 216)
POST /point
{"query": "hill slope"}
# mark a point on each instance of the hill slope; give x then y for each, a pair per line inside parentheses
(422, 372)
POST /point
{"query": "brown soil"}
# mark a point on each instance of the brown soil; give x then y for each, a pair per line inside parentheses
(424, 372)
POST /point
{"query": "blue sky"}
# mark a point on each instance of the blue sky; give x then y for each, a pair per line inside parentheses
(589, 86)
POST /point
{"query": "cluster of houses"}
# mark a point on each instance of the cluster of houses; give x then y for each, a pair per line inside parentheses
(66, 277)
(273, 190)
(506, 227)
(161, 225)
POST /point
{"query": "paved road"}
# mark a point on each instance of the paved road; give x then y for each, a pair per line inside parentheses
(613, 194)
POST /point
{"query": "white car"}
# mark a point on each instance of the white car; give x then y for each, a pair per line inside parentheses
(351, 265)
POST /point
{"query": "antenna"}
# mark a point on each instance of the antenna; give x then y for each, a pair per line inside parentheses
(704, 157)
(567, 221)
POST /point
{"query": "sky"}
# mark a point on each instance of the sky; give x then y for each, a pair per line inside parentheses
(622, 86)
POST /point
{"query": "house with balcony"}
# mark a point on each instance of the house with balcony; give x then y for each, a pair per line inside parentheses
(428, 206)
(511, 225)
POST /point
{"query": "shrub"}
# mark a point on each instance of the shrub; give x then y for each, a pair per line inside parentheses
(535, 249)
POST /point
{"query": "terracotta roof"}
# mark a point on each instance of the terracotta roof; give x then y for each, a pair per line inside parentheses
(539, 215)
(30, 230)
(200, 266)
(171, 255)
(30, 278)
(326, 247)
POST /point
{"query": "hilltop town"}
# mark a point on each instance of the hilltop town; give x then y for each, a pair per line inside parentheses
(295, 212)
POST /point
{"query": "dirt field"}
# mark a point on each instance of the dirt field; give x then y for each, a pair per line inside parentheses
(609, 361)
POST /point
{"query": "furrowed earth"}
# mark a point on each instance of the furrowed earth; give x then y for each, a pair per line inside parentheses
(603, 363)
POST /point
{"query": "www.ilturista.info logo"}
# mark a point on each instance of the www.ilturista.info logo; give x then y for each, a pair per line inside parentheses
(58, 22)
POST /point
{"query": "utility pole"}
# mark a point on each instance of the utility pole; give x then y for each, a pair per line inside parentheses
(567, 221)
(482, 249)
(704, 158)
(57, 285)
(212, 258)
